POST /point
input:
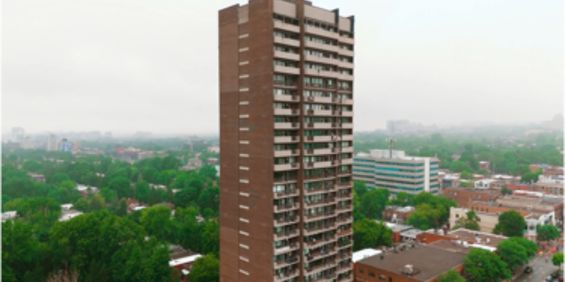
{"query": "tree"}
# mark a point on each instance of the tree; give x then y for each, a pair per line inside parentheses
(121, 186)
(516, 251)
(205, 269)
(156, 220)
(547, 232)
(373, 203)
(24, 257)
(425, 217)
(530, 177)
(403, 199)
(510, 224)
(369, 234)
(484, 266)
(557, 259)
(360, 188)
(505, 191)
(210, 237)
(100, 246)
(470, 221)
(451, 276)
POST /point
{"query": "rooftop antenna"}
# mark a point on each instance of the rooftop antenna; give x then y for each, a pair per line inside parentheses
(391, 143)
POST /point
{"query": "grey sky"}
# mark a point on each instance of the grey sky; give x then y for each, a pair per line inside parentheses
(151, 65)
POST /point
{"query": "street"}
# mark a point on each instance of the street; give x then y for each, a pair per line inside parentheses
(541, 268)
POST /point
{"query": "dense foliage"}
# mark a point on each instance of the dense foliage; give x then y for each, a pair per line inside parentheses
(516, 251)
(451, 276)
(107, 242)
(369, 234)
(485, 266)
(431, 211)
(510, 224)
(547, 232)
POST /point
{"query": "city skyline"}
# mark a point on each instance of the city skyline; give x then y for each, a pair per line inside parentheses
(131, 73)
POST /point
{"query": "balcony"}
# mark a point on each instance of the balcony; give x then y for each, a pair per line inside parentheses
(319, 112)
(286, 112)
(286, 125)
(344, 64)
(317, 99)
(286, 69)
(286, 139)
(322, 60)
(286, 221)
(348, 125)
(319, 216)
(319, 268)
(286, 98)
(286, 275)
(319, 31)
(318, 125)
(347, 149)
(347, 113)
(344, 76)
(319, 204)
(345, 52)
(289, 166)
(346, 161)
(287, 193)
(286, 26)
(320, 164)
(286, 153)
(318, 152)
(321, 46)
(286, 41)
(286, 262)
(321, 229)
(322, 138)
(286, 234)
(344, 220)
(286, 55)
(347, 137)
(285, 207)
(320, 254)
(320, 242)
(318, 72)
(346, 39)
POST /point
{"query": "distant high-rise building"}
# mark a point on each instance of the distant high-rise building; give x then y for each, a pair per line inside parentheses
(51, 143)
(286, 131)
(65, 145)
(396, 172)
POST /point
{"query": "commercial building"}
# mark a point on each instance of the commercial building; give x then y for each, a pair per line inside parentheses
(411, 264)
(286, 131)
(395, 171)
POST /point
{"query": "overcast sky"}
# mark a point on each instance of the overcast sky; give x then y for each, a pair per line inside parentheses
(148, 65)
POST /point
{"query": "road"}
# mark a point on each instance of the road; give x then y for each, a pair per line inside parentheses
(541, 268)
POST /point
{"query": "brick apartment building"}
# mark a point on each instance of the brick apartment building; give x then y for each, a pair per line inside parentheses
(286, 132)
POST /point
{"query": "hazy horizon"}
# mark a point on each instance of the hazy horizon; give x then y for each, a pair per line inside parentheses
(133, 65)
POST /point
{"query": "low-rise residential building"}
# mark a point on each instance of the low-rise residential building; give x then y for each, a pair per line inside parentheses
(68, 213)
(86, 190)
(182, 260)
(449, 180)
(411, 264)
(36, 177)
(9, 215)
(396, 214)
(395, 171)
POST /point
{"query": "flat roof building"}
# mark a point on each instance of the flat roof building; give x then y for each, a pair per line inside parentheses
(396, 172)
(286, 133)
(418, 263)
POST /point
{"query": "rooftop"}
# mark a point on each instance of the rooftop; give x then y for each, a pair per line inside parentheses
(427, 262)
(365, 253)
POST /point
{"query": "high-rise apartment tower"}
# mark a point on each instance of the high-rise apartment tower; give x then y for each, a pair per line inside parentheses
(286, 132)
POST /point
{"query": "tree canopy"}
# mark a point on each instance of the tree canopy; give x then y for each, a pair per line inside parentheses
(510, 224)
(369, 234)
(547, 232)
(485, 266)
(516, 251)
(451, 276)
